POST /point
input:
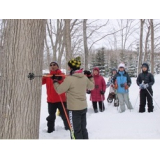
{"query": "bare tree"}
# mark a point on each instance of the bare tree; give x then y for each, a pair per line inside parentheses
(140, 46)
(152, 46)
(146, 44)
(20, 98)
(68, 40)
(85, 42)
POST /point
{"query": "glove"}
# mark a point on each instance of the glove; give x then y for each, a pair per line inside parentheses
(145, 86)
(141, 86)
(108, 84)
(88, 73)
(102, 92)
(88, 92)
(122, 85)
(56, 78)
(126, 86)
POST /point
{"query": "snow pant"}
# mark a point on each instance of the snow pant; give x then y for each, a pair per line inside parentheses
(79, 122)
(124, 99)
(143, 96)
(101, 106)
(52, 107)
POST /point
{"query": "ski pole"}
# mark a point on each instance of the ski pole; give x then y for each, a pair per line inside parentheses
(152, 98)
(71, 128)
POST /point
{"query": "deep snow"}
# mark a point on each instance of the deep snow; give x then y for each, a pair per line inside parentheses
(111, 124)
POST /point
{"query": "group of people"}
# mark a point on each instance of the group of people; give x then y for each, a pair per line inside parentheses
(68, 94)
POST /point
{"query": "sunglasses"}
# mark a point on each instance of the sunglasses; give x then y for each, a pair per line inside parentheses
(52, 64)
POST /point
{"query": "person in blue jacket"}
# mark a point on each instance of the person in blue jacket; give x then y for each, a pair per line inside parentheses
(122, 82)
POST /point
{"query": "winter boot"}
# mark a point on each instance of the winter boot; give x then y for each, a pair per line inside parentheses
(116, 102)
(95, 110)
(50, 129)
(141, 110)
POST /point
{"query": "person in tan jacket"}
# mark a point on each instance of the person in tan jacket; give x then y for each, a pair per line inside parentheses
(75, 86)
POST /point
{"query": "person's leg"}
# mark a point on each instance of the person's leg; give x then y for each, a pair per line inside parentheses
(62, 113)
(95, 107)
(84, 124)
(142, 101)
(75, 121)
(101, 106)
(127, 101)
(150, 100)
(121, 102)
(52, 107)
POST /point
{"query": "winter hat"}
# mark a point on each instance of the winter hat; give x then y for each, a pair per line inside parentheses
(114, 70)
(75, 63)
(121, 65)
(145, 65)
(54, 63)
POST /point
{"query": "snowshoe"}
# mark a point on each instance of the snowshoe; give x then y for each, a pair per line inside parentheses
(110, 98)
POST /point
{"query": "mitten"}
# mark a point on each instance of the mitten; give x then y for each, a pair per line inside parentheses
(141, 86)
(88, 73)
(126, 86)
(88, 92)
(145, 86)
(102, 92)
(56, 78)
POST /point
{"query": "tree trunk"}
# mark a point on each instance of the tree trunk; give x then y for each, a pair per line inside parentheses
(146, 45)
(85, 42)
(20, 98)
(67, 40)
(140, 46)
(152, 46)
(48, 53)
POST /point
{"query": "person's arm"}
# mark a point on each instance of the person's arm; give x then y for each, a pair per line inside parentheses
(43, 80)
(151, 80)
(129, 82)
(63, 87)
(59, 72)
(90, 83)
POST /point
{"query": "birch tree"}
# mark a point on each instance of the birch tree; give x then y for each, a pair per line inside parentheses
(20, 98)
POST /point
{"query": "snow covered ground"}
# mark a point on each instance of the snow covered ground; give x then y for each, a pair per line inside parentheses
(110, 124)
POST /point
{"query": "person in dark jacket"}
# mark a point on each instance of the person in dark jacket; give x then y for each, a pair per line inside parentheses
(122, 82)
(53, 99)
(145, 80)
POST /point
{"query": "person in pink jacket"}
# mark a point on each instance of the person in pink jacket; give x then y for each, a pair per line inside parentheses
(97, 94)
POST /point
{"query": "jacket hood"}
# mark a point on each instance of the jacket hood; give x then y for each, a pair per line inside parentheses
(145, 65)
(78, 73)
(96, 68)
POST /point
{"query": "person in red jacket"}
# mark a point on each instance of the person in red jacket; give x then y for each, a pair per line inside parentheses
(97, 94)
(53, 99)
